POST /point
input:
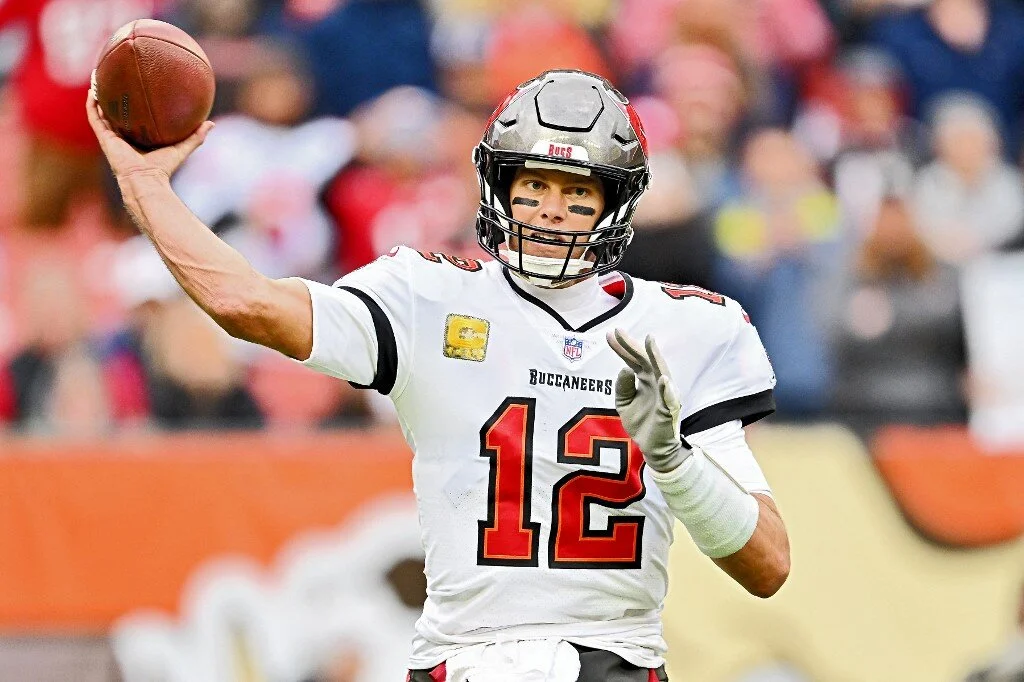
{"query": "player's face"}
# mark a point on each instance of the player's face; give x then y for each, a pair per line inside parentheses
(558, 200)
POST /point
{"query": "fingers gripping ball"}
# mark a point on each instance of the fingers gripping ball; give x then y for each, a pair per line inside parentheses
(154, 83)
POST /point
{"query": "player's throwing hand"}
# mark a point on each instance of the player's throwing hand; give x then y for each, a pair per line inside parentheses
(647, 401)
(125, 160)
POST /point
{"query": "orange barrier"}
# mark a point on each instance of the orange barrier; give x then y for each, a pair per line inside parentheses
(94, 530)
(949, 489)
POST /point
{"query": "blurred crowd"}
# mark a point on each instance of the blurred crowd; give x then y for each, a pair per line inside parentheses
(839, 167)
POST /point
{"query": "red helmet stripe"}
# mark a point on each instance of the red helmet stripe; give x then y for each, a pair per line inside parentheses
(501, 107)
(638, 127)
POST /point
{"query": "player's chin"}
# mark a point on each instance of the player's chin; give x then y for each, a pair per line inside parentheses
(545, 250)
(550, 250)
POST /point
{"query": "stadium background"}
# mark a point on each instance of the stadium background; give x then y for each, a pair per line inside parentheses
(177, 506)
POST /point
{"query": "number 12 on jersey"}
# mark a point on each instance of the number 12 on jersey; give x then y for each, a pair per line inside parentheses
(508, 537)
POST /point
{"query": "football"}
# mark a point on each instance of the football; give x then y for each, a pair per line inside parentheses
(154, 83)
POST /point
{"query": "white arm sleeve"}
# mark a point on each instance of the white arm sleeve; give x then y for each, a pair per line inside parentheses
(727, 446)
(711, 491)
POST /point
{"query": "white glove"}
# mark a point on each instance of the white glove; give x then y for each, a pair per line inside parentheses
(647, 402)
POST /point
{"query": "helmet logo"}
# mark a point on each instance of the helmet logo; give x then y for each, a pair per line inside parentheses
(561, 151)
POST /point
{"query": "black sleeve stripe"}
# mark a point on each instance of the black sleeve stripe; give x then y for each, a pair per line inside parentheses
(748, 408)
(387, 348)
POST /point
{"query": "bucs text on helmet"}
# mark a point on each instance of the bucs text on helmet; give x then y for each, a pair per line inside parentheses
(572, 121)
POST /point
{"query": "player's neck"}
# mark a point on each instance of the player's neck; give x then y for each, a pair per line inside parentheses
(584, 296)
(577, 287)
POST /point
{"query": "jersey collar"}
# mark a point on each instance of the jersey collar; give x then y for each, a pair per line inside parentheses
(618, 285)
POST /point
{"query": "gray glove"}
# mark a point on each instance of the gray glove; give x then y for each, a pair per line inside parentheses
(647, 402)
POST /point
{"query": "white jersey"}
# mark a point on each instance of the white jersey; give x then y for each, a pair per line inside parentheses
(538, 516)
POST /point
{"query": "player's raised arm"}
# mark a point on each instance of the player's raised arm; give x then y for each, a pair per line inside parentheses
(742, 533)
(273, 313)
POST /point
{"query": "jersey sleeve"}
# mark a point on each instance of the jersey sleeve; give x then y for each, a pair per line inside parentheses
(362, 325)
(738, 382)
(726, 445)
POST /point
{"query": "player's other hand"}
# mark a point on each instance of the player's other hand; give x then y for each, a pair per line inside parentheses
(647, 401)
(126, 160)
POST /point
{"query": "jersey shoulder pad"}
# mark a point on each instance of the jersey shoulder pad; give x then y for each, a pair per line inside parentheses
(426, 274)
(727, 372)
(443, 263)
(687, 292)
(701, 306)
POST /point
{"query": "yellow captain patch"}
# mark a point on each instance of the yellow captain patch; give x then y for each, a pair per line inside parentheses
(465, 338)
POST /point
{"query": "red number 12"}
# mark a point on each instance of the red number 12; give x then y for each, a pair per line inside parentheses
(509, 538)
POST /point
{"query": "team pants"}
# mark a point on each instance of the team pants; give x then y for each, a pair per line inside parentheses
(595, 666)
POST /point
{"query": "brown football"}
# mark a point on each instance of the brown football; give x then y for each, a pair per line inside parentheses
(154, 83)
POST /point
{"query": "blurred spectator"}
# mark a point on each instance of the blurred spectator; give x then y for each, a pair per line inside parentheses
(898, 331)
(55, 383)
(170, 365)
(269, 170)
(778, 243)
(482, 55)
(1008, 664)
(671, 235)
(193, 379)
(969, 201)
(13, 39)
(174, 366)
(591, 15)
(854, 121)
(788, 37)
(773, 40)
(853, 18)
(227, 31)
(291, 397)
(704, 87)
(640, 31)
(61, 162)
(413, 183)
(790, 34)
(357, 49)
(221, 19)
(970, 45)
(459, 45)
(530, 37)
(728, 25)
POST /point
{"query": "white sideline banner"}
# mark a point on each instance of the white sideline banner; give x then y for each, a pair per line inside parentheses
(993, 307)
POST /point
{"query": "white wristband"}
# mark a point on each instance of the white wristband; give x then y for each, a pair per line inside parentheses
(717, 511)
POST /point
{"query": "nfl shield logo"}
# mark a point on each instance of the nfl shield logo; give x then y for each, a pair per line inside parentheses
(573, 348)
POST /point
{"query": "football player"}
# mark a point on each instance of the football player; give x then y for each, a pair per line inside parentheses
(562, 415)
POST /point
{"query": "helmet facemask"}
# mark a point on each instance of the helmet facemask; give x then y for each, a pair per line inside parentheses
(503, 236)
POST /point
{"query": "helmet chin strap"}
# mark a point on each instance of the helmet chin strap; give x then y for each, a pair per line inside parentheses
(545, 266)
